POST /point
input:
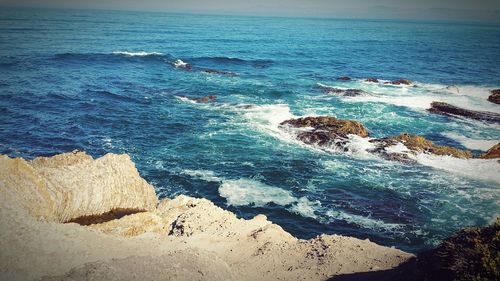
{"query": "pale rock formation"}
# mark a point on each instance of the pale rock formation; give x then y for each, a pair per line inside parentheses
(174, 239)
(72, 185)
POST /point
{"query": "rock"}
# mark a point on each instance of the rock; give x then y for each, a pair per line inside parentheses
(451, 110)
(182, 238)
(344, 92)
(344, 78)
(493, 152)
(371, 79)
(205, 99)
(416, 144)
(326, 129)
(59, 192)
(221, 72)
(400, 82)
(470, 254)
(495, 96)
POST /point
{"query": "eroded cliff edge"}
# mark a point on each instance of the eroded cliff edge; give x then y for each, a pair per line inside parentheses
(131, 235)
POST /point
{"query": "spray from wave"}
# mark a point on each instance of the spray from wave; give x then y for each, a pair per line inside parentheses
(136, 54)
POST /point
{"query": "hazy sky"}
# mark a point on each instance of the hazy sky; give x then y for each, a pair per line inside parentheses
(488, 10)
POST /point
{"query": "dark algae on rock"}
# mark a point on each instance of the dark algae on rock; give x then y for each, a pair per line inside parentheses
(471, 254)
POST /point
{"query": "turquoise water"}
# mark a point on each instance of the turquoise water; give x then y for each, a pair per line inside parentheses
(107, 82)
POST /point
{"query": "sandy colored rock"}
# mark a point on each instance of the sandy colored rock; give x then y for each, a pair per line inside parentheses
(71, 185)
(177, 239)
(493, 152)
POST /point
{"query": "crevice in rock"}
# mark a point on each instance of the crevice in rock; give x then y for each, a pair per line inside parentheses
(114, 214)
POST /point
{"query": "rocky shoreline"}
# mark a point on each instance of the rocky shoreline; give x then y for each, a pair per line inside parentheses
(126, 233)
(70, 217)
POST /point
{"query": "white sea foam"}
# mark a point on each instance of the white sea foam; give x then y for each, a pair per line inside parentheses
(471, 143)
(482, 169)
(246, 192)
(136, 54)
(205, 175)
(421, 97)
(185, 99)
(305, 207)
(180, 64)
(362, 221)
(267, 118)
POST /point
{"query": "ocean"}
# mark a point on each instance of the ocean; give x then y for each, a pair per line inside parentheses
(109, 81)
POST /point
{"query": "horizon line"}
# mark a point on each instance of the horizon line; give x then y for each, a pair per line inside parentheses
(239, 14)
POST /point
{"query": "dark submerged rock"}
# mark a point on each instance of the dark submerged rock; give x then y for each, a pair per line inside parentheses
(344, 92)
(451, 110)
(204, 99)
(400, 82)
(221, 72)
(344, 78)
(371, 79)
(495, 96)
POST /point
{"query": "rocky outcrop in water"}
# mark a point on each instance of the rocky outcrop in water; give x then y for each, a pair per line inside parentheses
(415, 144)
(205, 99)
(182, 238)
(325, 130)
(454, 111)
(495, 96)
(221, 72)
(343, 92)
(493, 152)
(400, 82)
(344, 78)
(330, 131)
(372, 79)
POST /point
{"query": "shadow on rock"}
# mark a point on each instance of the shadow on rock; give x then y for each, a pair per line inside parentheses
(406, 271)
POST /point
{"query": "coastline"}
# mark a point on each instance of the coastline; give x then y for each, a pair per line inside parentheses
(184, 238)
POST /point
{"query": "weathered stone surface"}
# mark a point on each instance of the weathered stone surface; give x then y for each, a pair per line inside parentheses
(495, 96)
(451, 110)
(54, 189)
(493, 152)
(418, 144)
(187, 238)
(470, 254)
(325, 130)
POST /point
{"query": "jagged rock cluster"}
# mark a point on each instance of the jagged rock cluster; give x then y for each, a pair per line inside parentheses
(330, 131)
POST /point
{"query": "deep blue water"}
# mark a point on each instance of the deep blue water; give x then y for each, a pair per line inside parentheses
(106, 82)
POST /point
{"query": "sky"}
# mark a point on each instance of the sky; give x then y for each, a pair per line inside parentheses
(475, 10)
